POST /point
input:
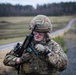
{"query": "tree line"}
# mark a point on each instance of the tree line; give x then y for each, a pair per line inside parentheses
(53, 9)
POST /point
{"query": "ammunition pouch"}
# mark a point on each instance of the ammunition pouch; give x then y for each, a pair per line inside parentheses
(26, 67)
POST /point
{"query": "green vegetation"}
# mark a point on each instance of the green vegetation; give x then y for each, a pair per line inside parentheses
(66, 32)
(65, 49)
(61, 42)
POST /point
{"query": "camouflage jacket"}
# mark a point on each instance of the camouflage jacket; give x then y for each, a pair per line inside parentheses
(41, 65)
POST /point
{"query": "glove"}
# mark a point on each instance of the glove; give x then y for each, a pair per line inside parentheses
(25, 57)
(52, 57)
(41, 48)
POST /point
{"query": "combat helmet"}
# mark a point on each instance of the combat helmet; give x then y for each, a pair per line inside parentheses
(43, 23)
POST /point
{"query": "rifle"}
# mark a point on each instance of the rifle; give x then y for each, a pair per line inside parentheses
(27, 43)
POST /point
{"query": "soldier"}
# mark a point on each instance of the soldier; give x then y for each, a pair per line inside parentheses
(51, 57)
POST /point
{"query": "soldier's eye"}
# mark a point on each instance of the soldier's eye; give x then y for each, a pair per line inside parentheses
(41, 34)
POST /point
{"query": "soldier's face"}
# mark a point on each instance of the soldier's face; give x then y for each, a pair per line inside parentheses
(38, 36)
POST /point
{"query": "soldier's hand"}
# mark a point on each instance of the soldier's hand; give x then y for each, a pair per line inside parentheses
(24, 58)
(18, 60)
(40, 47)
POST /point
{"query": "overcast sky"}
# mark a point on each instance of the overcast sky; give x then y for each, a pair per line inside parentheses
(34, 2)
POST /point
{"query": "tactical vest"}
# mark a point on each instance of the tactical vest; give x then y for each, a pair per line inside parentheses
(38, 66)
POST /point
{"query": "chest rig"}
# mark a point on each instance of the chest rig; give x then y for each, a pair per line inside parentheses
(38, 64)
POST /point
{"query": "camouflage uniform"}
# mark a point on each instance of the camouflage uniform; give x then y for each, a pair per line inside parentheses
(41, 64)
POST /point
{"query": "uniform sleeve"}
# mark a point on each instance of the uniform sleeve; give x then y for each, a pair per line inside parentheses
(57, 57)
(10, 58)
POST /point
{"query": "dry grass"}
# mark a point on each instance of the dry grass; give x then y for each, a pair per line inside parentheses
(28, 19)
(17, 27)
(16, 19)
(71, 36)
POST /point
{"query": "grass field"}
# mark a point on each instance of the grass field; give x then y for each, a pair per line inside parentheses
(15, 28)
